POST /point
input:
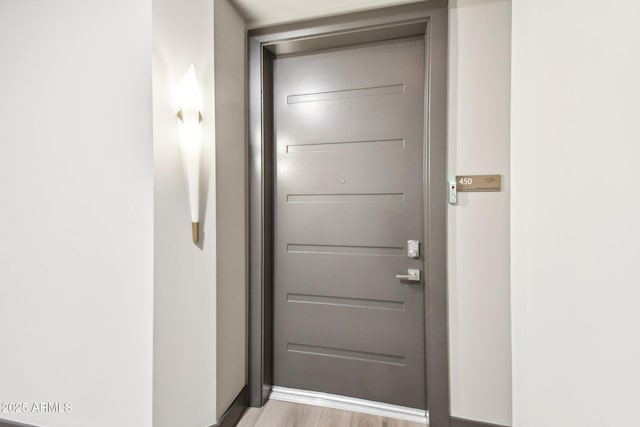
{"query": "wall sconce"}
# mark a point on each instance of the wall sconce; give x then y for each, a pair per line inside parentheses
(190, 133)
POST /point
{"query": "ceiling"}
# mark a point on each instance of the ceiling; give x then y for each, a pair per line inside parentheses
(262, 13)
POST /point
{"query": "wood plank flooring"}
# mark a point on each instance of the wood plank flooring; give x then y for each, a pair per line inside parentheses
(285, 414)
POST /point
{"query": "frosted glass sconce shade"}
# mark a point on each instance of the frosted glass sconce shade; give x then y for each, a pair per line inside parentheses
(190, 134)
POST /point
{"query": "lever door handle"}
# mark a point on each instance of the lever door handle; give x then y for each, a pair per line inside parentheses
(412, 276)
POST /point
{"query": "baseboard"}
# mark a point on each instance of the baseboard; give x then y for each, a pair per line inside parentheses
(7, 423)
(349, 404)
(233, 414)
(459, 422)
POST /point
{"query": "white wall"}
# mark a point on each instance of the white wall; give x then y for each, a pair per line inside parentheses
(575, 233)
(76, 210)
(478, 245)
(231, 192)
(185, 274)
(261, 13)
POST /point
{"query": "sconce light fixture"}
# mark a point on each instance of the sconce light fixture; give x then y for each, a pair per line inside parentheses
(190, 133)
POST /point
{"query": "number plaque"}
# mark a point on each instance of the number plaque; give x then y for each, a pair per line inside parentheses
(479, 182)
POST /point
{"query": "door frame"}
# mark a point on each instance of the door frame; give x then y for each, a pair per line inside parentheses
(428, 18)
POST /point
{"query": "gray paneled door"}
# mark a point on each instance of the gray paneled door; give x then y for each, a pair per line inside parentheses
(349, 195)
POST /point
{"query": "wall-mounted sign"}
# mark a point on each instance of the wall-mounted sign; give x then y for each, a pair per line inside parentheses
(479, 182)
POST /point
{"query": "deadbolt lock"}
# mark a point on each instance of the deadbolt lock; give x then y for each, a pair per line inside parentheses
(413, 249)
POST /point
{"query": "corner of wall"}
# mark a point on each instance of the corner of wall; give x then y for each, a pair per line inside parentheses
(231, 189)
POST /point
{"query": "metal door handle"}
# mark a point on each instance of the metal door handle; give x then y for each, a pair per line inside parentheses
(413, 276)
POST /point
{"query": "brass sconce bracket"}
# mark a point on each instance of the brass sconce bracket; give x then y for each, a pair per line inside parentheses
(182, 118)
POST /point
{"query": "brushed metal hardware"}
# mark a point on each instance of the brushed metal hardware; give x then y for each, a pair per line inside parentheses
(413, 276)
(413, 249)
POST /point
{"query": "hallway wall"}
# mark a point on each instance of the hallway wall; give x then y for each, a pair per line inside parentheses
(230, 46)
(76, 211)
(479, 250)
(200, 290)
(575, 232)
(184, 388)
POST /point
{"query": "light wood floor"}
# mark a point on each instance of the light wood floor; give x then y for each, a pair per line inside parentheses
(284, 414)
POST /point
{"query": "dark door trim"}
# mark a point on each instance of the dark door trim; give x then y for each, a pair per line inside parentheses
(428, 19)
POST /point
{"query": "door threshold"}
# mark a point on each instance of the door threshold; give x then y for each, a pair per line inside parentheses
(352, 404)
